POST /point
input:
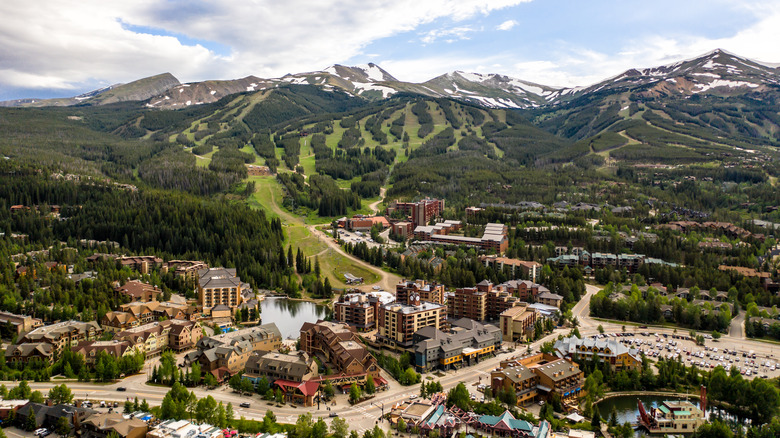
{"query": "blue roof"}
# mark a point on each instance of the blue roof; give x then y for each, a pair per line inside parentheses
(544, 429)
(508, 419)
(435, 416)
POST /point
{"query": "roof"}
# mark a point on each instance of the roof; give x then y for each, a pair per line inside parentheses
(309, 388)
(506, 421)
(218, 277)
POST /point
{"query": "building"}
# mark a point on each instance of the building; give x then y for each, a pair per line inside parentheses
(516, 268)
(517, 323)
(494, 238)
(21, 323)
(421, 212)
(226, 354)
(48, 416)
(486, 302)
(506, 425)
(466, 343)
(360, 310)
(468, 302)
(338, 345)
(102, 424)
(539, 376)
(398, 322)
(273, 366)
(154, 337)
(608, 350)
(219, 286)
(550, 299)
(118, 321)
(47, 342)
(138, 291)
(142, 264)
(430, 292)
(91, 349)
(673, 417)
(185, 268)
(403, 228)
(184, 429)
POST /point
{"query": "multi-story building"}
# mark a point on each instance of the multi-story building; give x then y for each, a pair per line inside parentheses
(421, 212)
(517, 323)
(515, 267)
(360, 310)
(185, 268)
(103, 425)
(115, 348)
(550, 299)
(275, 366)
(154, 337)
(523, 289)
(468, 302)
(227, 354)
(539, 376)
(138, 291)
(430, 292)
(466, 343)
(219, 286)
(142, 264)
(339, 345)
(494, 238)
(47, 342)
(398, 322)
(610, 351)
(118, 321)
(184, 429)
(22, 323)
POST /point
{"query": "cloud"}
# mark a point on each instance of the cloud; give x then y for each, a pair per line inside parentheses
(507, 25)
(449, 35)
(55, 45)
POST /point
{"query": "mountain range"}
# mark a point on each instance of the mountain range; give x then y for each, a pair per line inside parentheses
(718, 72)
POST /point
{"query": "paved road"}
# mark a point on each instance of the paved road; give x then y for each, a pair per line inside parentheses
(736, 329)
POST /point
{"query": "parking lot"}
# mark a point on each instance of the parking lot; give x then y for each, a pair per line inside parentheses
(656, 346)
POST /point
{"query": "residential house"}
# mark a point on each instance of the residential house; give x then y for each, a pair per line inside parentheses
(102, 425)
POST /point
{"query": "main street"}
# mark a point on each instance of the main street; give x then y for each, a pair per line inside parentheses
(364, 415)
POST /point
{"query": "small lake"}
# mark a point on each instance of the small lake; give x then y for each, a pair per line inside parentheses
(289, 315)
(627, 409)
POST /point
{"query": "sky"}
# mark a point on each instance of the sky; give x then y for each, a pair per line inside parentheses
(57, 48)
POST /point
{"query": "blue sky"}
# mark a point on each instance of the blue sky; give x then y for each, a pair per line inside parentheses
(57, 48)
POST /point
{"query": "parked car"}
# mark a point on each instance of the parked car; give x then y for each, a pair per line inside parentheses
(244, 405)
(121, 388)
(333, 414)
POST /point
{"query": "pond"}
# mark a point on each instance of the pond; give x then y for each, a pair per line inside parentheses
(289, 315)
(627, 409)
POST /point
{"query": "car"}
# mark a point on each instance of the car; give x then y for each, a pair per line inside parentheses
(413, 396)
(333, 414)
(121, 388)
(39, 431)
(244, 405)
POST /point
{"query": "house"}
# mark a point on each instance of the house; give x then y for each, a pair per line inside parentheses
(102, 424)
(48, 416)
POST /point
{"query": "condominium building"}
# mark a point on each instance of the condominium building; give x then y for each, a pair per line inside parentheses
(338, 345)
(91, 349)
(468, 302)
(22, 323)
(430, 292)
(421, 212)
(226, 354)
(398, 322)
(517, 323)
(154, 337)
(185, 268)
(219, 286)
(138, 291)
(514, 267)
(619, 356)
(360, 310)
(47, 342)
(466, 343)
(274, 366)
(539, 376)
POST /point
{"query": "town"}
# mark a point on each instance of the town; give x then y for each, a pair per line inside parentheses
(540, 347)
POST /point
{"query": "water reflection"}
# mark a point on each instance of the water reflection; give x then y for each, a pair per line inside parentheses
(289, 315)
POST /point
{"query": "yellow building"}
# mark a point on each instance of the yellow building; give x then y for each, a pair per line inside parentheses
(219, 286)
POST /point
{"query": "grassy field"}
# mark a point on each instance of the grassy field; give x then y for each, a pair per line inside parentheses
(268, 194)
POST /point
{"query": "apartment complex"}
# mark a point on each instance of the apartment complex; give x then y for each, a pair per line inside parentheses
(47, 342)
(539, 376)
(219, 286)
(421, 212)
(275, 366)
(430, 292)
(608, 350)
(22, 323)
(398, 322)
(466, 343)
(630, 262)
(494, 238)
(154, 337)
(486, 302)
(187, 269)
(517, 323)
(338, 345)
(142, 264)
(360, 310)
(91, 349)
(226, 354)
(139, 313)
(138, 291)
(529, 270)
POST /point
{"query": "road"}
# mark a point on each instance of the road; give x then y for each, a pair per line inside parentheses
(373, 206)
(736, 330)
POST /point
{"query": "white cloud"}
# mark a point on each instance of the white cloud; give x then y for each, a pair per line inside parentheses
(507, 25)
(448, 35)
(53, 43)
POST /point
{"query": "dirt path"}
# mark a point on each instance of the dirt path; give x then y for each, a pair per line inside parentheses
(373, 206)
